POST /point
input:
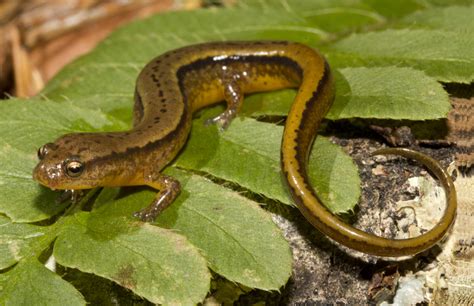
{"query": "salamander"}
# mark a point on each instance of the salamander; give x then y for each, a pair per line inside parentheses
(174, 85)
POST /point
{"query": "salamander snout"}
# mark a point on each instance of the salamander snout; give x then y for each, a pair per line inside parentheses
(48, 175)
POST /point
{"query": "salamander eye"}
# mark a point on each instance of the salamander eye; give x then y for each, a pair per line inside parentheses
(42, 151)
(74, 168)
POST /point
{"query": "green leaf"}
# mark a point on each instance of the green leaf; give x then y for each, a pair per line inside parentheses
(388, 93)
(155, 263)
(33, 203)
(334, 176)
(233, 233)
(378, 92)
(41, 120)
(328, 16)
(30, 283)
(446, 56)
(449, 2)
(395, 9)
(454, 18)
(116, 62)
(17, 241)
(275, 103)
(248, 154)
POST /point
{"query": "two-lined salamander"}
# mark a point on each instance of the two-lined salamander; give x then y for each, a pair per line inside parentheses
(174, 85)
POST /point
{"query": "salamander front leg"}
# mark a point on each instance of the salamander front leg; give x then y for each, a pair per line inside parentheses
(169, 189)
(234, 97)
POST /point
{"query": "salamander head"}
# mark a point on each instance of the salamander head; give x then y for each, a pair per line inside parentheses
(66, 165)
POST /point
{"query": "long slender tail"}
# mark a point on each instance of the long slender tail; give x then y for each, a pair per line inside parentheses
(302, 124)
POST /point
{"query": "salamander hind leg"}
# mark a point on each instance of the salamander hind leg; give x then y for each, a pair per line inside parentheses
(169, 189)
(234, 97)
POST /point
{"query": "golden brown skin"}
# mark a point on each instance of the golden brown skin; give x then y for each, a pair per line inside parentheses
(176, 84)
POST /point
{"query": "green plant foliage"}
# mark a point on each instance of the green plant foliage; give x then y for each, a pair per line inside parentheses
(420, 49)
(234, 234)
(388, 93)
(17, 241)
(390, 73)
(155, 263)
(29, 282)
(259, 145)
(438, 41)
(454, 18)
(377, 92)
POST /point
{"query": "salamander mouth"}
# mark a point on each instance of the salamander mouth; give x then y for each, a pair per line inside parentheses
(48, 176)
